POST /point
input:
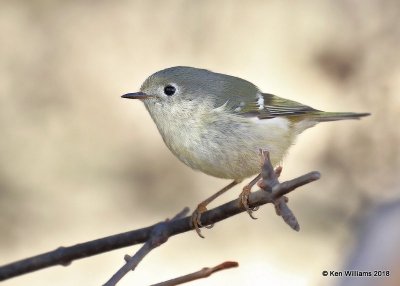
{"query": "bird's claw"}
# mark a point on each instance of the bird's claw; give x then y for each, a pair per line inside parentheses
(244, 201)
(196, 220)
(209, 226)
(196, 223)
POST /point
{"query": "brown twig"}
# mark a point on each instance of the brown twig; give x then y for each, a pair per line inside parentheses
(65, 255)
(203, 273)
(270, 183)
(159, 235)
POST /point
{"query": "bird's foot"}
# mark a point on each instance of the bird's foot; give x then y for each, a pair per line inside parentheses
(202, 207)
(244, 201)
(196, 219)
(244, 196)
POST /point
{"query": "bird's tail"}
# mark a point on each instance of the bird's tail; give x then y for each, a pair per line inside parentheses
(321, 116)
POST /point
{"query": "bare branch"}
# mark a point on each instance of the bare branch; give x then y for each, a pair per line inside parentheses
(288, 186)
(203, 273)
(272, 192)
(159, 235)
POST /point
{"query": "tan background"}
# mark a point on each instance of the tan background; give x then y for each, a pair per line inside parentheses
(78, 162)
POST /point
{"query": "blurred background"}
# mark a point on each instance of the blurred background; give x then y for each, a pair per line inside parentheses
(79, 163)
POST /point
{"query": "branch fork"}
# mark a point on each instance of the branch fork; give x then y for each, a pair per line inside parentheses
(269, 182)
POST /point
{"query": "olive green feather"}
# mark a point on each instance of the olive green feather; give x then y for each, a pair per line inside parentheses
(239, 96)
(275, 106)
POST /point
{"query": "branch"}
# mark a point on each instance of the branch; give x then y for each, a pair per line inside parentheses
(203, 273)
(269, 183)
(159, 235)
(272, 192)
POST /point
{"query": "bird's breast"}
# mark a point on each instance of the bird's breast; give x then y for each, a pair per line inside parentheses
(224, 145)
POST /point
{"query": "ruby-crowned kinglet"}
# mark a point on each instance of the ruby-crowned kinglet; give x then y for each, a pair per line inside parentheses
(217, 123)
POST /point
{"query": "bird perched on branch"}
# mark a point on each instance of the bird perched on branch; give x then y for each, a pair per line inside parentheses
(216, 123)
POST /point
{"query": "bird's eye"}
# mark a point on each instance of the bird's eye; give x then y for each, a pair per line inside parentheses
(169, 90)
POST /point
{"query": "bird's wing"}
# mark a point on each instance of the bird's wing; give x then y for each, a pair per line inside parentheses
(275, 106)
(266, 106)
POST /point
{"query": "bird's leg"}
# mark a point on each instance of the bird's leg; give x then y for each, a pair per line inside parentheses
(202, 207)
(244, 196)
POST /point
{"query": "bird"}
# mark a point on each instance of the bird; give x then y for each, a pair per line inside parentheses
(217, 123)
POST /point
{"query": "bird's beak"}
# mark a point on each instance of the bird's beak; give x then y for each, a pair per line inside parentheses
(136, 95)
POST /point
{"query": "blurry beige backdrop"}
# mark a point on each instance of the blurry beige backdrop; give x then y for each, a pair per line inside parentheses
(79, 163)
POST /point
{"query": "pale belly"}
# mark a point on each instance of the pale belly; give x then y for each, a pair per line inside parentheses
(228, 150)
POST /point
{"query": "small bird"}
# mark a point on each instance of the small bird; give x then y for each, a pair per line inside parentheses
(217, 123)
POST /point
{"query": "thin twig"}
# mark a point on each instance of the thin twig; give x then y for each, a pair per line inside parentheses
(269, 182)
(65, 255)
(159, 235)
(203, 273)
